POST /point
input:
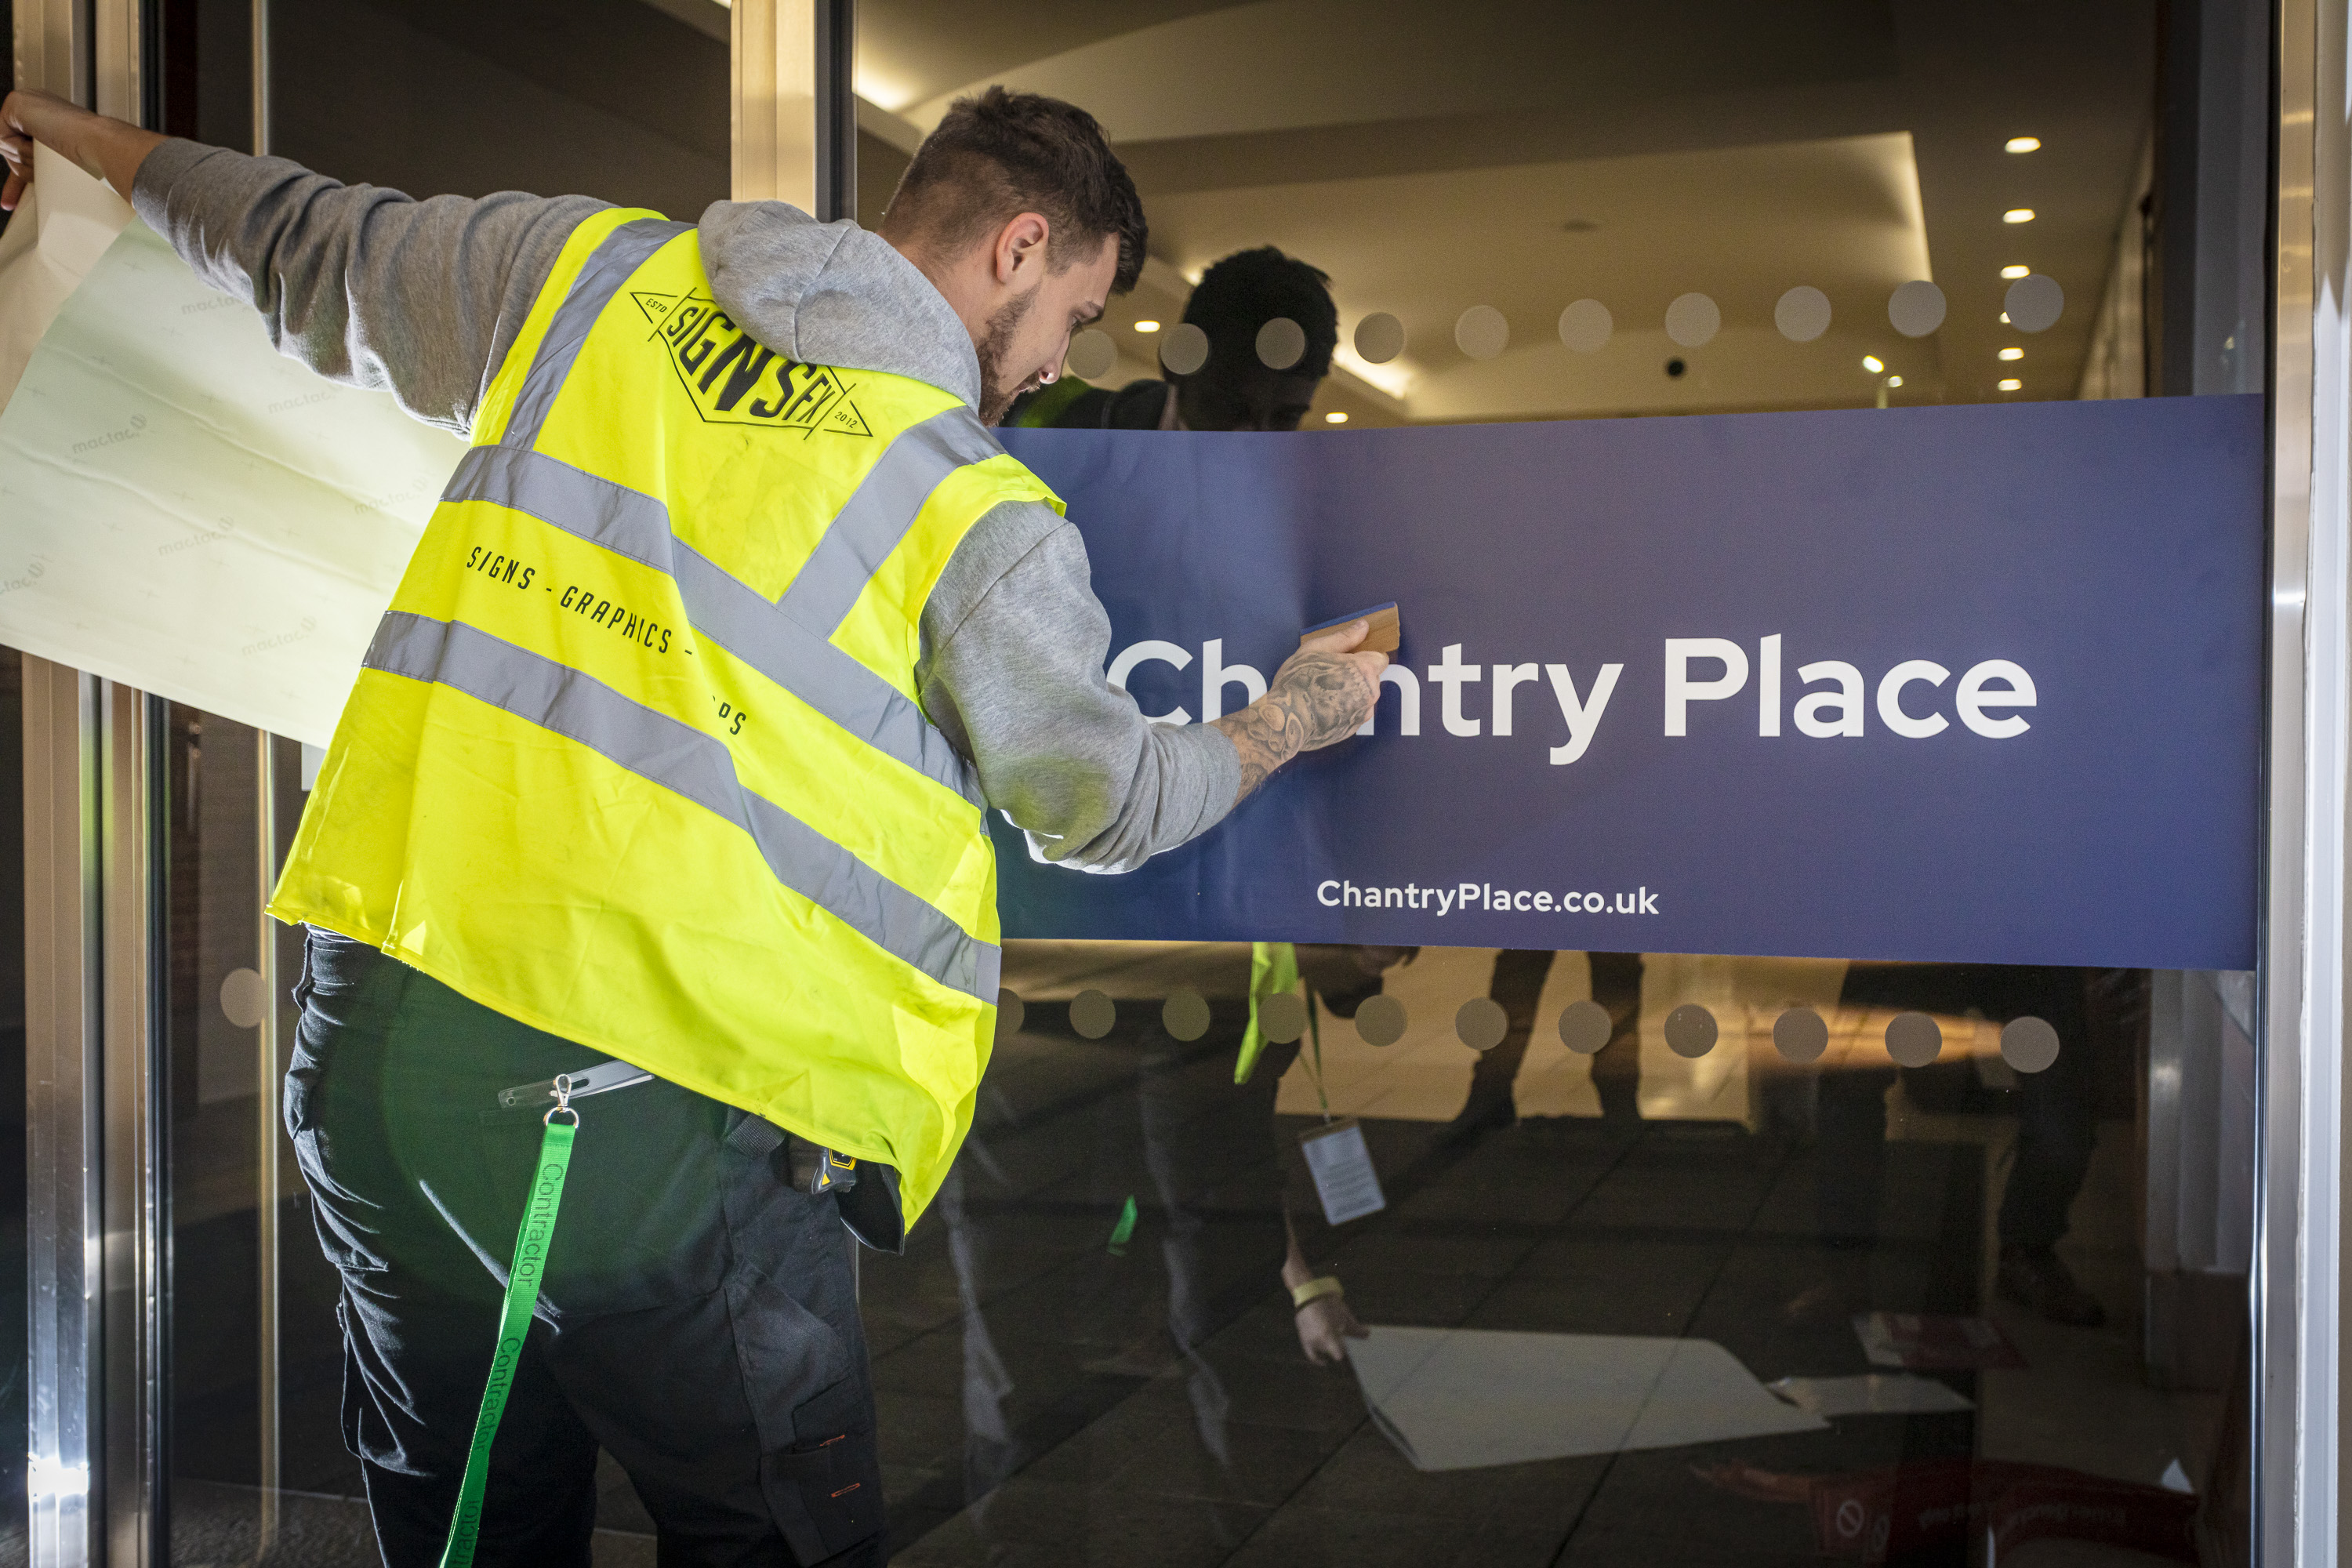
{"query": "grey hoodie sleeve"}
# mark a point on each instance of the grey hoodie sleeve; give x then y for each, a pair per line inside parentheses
(1013, 676)
(361, 284)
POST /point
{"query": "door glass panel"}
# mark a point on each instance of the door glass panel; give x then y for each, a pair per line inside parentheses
(617, 98)
(1681, 1258)
(14, 1350)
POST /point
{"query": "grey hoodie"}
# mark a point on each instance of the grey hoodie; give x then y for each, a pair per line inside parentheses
(423, 298)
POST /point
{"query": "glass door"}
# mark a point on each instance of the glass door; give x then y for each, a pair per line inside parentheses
(1680, 1258)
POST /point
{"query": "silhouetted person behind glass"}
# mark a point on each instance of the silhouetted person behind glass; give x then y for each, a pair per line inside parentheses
(2057, 1130)
(1235, 390)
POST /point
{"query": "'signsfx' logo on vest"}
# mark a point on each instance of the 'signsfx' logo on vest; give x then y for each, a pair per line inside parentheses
(733, 380)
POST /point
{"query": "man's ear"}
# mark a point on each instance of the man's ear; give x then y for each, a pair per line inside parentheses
(1020, 247)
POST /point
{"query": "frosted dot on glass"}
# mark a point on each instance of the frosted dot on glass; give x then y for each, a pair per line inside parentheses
(1479, 1023)
(1693, 319)
(1009, 1015)
(1913, 1039)
(2035, 303)
(1185, 1015)
(1584, 1028)
(1586, 325)
(1481, 332)
(1093, 1014)
(1379, 338)
(1690, 1030)
(2029, 1044)
(243, 999)
(1092, 354)
(1799, 1035)
(1803, 314)
(1282, 1017)
(1380, 1021)
(1183, 348)
(1281, 343)
(1915, 309)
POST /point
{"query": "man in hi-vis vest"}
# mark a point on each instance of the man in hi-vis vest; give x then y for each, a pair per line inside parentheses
(671, 758)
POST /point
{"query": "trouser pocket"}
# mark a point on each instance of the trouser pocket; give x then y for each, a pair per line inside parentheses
(830, 1477)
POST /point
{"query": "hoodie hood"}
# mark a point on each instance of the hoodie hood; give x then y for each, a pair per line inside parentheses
(832, 293)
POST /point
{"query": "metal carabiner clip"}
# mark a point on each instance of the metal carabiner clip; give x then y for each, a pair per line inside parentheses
(562, 1106)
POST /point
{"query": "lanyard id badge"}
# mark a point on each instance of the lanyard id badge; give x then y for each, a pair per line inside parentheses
(1337, 1156)
(514, 1316)
(1342, 1168)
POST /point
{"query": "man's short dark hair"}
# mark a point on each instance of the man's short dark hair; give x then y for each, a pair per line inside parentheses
(1246, 291)
(1003, 153)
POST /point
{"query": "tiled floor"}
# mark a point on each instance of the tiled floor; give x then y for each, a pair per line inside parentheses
(1243, 1453)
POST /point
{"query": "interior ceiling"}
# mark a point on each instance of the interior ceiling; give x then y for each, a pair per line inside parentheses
(1524, 155)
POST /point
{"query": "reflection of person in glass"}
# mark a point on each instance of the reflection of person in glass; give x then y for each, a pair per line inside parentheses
(1237, 389)
(1233, 389)
(1212, 1249)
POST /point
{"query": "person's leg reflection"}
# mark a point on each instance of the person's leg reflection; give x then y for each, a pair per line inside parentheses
(2056, 1130)
(1849, 1180)
(1201, 1130)
(990, 1453)
(1518, 983)
(1617, 1070)
(1520, 974)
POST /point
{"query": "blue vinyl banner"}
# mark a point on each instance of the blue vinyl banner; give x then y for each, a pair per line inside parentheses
(1970, 683)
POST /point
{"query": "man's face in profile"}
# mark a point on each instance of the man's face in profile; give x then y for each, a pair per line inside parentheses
(1243, 395)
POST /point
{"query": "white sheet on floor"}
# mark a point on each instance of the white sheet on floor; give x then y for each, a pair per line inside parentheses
(1873, 1394)
(185, 510)
(1456, 1399)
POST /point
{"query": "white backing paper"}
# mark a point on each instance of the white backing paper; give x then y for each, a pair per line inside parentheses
(1456, 1399)
(181, 508)
(1873, 1394)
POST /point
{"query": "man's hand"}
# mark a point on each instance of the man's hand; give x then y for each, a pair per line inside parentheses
(108, 148)
(1325, 1325)
(1321, 695)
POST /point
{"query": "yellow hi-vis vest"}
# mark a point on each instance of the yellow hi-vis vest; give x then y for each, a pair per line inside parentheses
(636, 757)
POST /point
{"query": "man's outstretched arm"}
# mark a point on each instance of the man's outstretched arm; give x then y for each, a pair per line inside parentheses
(108, 148)
(361, 284)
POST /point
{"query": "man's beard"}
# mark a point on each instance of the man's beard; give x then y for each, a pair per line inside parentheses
(996, 391)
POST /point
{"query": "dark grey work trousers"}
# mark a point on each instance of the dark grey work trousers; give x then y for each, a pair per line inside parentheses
(698, 1318)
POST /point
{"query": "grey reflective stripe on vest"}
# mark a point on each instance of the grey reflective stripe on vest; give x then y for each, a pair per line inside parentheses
(625, 522)
(878, 515)
(718, 606)
(620, 253)
(821, 675)
(680, 758)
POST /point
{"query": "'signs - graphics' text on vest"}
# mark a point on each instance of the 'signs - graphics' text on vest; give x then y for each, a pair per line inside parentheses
(637, 756)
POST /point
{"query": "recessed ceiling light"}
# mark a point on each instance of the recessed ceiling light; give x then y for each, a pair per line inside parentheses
(1894, 381)
(1334, 418)
(2018, 270)
(2017, 215)
(2023, 144)
(1872, 364)
(1147, 326)
(2012, 385)
(2013, 353)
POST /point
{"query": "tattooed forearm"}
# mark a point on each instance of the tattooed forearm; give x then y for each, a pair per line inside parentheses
(1264, 739)
(1318, 699)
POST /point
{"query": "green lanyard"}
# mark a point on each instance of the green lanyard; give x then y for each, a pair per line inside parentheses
(514, 1320)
